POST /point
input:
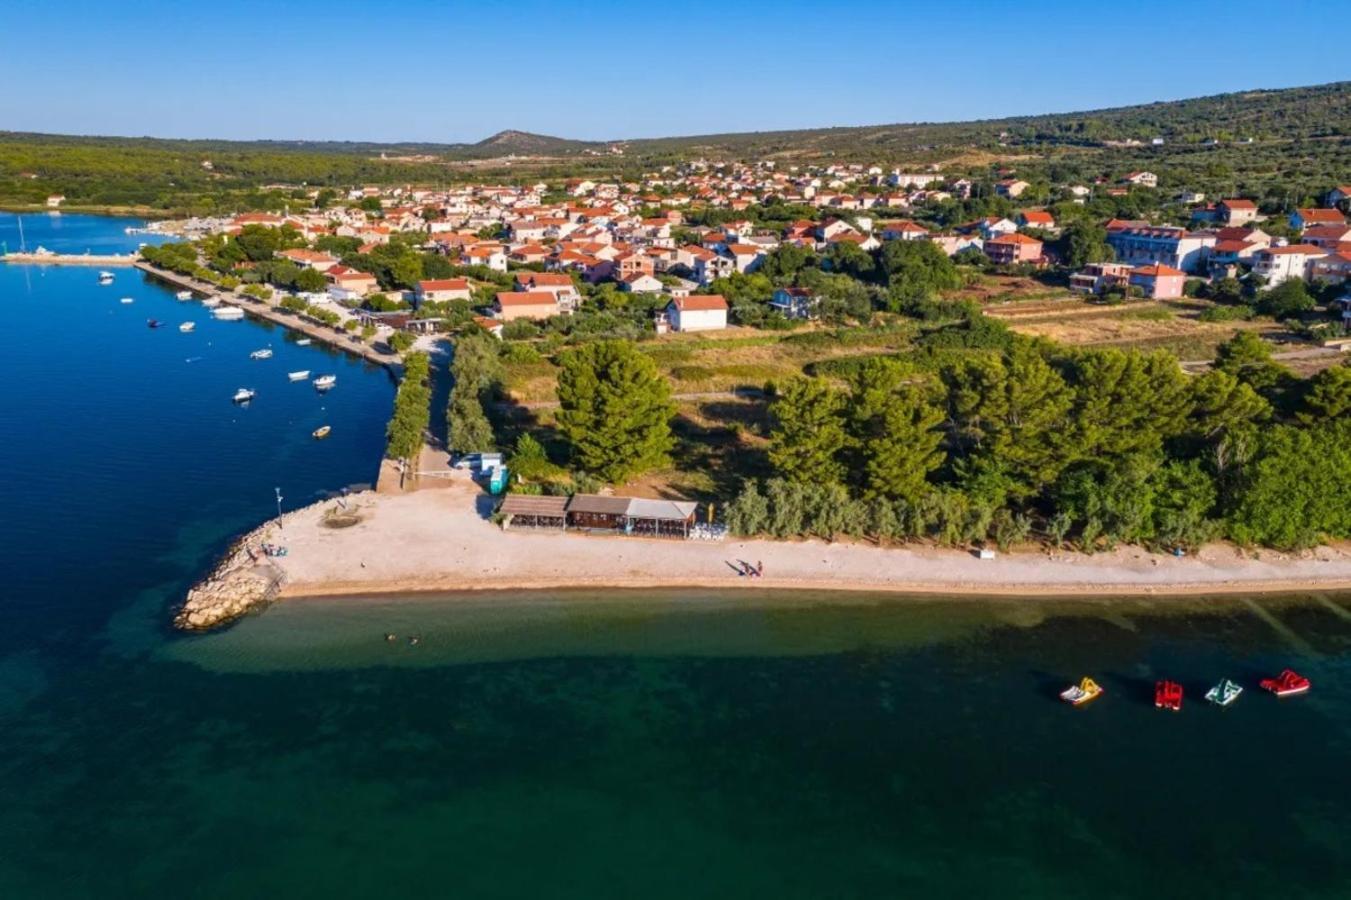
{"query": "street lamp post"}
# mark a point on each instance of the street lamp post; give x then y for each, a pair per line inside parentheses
(278, 492)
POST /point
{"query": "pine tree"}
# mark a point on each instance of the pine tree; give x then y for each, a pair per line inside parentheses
(808, 432)
(615, 410)
(903, 447)
(1031, 440)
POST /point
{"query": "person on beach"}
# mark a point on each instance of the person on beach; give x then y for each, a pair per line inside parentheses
(759, 568)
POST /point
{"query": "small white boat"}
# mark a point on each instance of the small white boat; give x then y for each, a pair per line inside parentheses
(228, 313)
(187, 326)
(298, 376)
(324, 382)
(265, 353)
(211, 302)
(322, 432)
(303, 342)
(184, 295)
(243, 395)
(128, 299)
(105, 277)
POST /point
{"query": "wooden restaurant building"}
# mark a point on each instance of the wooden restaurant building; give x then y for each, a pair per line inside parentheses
(597, 513)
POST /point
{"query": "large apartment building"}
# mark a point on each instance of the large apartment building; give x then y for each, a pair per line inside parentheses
(1165, 245)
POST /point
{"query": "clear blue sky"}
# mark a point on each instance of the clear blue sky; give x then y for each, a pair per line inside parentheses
(444, 70)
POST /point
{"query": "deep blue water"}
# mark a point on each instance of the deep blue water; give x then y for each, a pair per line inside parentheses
(128, 463)
(662, 744)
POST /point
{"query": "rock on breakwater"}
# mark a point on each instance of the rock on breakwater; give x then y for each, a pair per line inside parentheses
(243, 581)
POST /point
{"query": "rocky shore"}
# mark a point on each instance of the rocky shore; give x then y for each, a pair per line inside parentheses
(245, 580)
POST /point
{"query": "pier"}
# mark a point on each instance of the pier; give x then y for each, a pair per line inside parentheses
(71, 259)
(263, 309)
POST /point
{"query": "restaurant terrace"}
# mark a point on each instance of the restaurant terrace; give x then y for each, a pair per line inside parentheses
(597, 513)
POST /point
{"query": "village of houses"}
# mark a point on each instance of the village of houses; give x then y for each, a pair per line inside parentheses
(592, 232)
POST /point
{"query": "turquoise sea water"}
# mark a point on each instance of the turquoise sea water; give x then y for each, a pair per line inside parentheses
(662, 744)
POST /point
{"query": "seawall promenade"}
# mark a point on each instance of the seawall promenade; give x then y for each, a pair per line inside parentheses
(263, 309)
(70, 259)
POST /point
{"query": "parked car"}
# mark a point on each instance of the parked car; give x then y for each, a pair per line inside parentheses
(478, 461)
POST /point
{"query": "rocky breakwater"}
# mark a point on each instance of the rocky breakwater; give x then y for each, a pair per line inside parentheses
(246, 579)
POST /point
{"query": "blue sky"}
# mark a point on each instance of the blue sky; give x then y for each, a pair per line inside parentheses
(453, 71)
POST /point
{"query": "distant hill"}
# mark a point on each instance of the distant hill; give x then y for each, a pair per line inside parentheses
(523, 143)
(1321, 111)
(1276, 144)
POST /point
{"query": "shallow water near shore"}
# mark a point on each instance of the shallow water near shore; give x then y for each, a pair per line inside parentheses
(575, 744)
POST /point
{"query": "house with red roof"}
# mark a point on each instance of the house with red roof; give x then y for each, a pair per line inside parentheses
(1301, 219)
(902, 230)
(1280, 264)
(1236, 211)
(442, 289)
(1329, 237)
(557, 283)
(1036, 218)
(1334, 268)
(1157, 281)
(536, 305)
(1011, 249)
(345, 282)
(697, 312)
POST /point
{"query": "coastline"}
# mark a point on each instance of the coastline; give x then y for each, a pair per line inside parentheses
(440, 542)
(392, 362)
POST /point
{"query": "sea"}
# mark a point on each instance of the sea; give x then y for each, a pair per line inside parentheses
(571, 744)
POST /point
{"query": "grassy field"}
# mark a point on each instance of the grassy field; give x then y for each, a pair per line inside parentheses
(738, 359)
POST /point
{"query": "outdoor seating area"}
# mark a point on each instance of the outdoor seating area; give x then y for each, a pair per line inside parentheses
(593, 512)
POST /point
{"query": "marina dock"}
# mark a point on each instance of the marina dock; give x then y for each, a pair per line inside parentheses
(71, 259)
(271, 312)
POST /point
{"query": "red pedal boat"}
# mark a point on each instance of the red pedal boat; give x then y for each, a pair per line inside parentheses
(1287, 684)
(1168, 695)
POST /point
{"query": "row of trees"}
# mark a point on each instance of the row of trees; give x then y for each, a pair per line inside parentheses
(1105, 445)
(476, 371)
(412, 409)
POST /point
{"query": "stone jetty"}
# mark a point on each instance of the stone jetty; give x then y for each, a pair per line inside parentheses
(243, 581)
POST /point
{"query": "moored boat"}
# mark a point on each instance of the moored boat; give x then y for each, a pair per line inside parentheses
(105, 277)
(265, 353)
(187, 326)
(303, 342)
(243, 395)
(1224, 693)
(1287, 684)
(154, 323)
(324, 382)
(184, 295)
(1168, 695)
(211, 301)
(298, 376)
(322, 432)
(128, 299)
(228, 313)
(1081, 693)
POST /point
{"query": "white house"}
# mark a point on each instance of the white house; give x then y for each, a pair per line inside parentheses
(699, 312)
(640, 283)
(442, 289)
(1278, 264)
(745, 257)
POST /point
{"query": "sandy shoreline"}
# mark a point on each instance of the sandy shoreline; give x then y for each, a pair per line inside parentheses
(439, 541)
